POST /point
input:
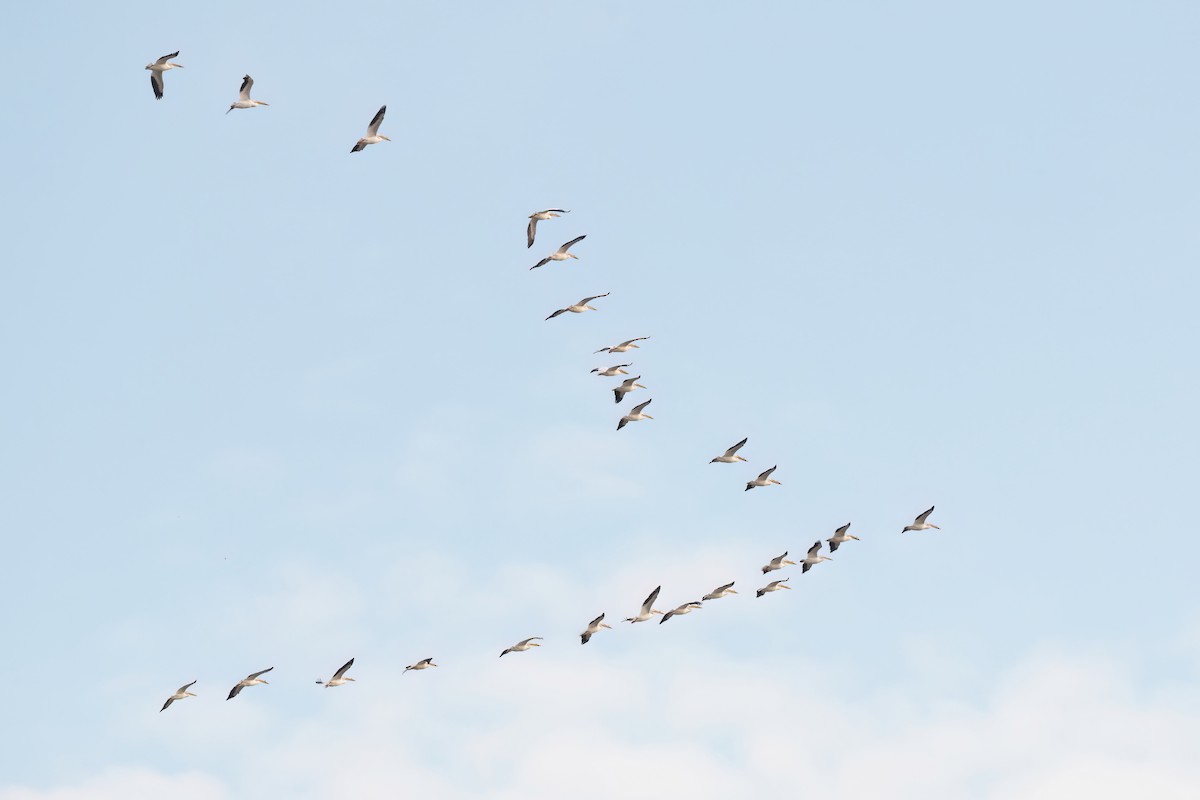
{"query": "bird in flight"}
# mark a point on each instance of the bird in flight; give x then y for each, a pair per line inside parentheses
(731, 456)
(764, 479)
(373, 135)
(919, 524)
(339, 677)
(182, 691)
(561, 253)
(580, 307)
(250, 680)
(244, 100)
(156, 72)
(521, 646)
(636, 415)
(593, 628)
(549, 213)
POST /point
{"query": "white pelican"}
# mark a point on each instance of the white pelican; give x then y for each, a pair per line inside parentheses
(647, 612)
(777, 562)
(686, 608)
(919, 524)
(521, 646)
(424, 663)
(626, 387)
(373, 135)
(549, 213)
(612, 372)
(721, 591)
(339, 677)
(182, 692)
(840, 536)
(561, 253)
(635, 415)
(811, 559)
(244, 100)
(156, 78)
(250, 680)
(623, 346)
(773, 586)
(731, 456)
(764, 479)
(581, 306)
(593, 628)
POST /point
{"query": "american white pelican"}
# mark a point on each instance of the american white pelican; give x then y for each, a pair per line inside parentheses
(156, 78)
(764, 479)
(919, 524)
(731, 456)
(373, 135)
(686, 608)
(721, 591)
(561, 253)
(339, 677)
(549, 213)
(593, 628)
(623, 346)
(424, 663)
(840, 536)
(647, 610)
(773, 586)
(626, 387)
(250, 680)
(636, 415)
(244, 100)
(777, 562)
(612, 372)
(811, 559)
(182, 691)
(521, 646)
(580, 307)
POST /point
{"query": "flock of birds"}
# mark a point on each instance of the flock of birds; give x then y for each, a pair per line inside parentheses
(636, 414)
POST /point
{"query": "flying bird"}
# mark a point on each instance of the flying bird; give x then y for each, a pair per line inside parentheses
(611, 372)
(731, 456)
(182, 691)
(244, 100)
(686, 608)
(424, 663)
(626, 387)
(549, 213)
(580, 307)
(764, 479)
(647, 608)
(773, 586)
(521, 646)
(339, 677)
(593, 628)
(156, 78)
(840, 536)
(777, 562)
(623, 346)
(919, 524)
(811, 559)
(561, 253)
(373, 135)
(250, 680)
(635, 415)
(721, 591)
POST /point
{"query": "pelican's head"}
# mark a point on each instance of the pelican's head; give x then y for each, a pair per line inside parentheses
(603, 624)
(260, 680)
(386, 139)
(261, 103)
(572, 255)
(647, 416)
(349, 679)
(739, 458)
(793, 563)
(855, 538)
(655, 611)
(433, 664)
(535, 644)
(935, 526)
(777, 483)
(732, 591)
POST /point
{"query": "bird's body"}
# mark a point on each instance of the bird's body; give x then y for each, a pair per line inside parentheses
(156, 78)
(244, 100)
(764, 479)
(840, 537)
(252, 679)
(731, 456)
(919, 524)
(635, 415)
(648, 610)
(811, 559)
(773, 586)
(626, 387)
(721, 591)
(561, 253)
(424, 663)
(182, 691)
(686, 608)
(339, 677)
(373, 136)
(623, 346)
(579, 307)
(521, 646)
(778, 562)
(593, 628)
(549, 213)
(612, 372)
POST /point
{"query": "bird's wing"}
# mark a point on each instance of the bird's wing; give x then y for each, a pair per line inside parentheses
(541, 263)
(556, 313)
(558, 210)
(531, 231)
(816, 548)
(833, 545)
(631, 341)
(596, 621)
(342, 671)
(737, 446)
(156, 82)
(376, 121)
(254, 675)
(169, 701)
(186, 686)
(720, 589)
(638, 408)
(921, 519)
(842, 529)
(585, 637)
(530, 639)
(567, 246)
(244, 92)
(358, 146)
(234, 691)
(167, 57)
(425, 661)
(767, 474)
(777, 560)
(587, 300)
(646, 606)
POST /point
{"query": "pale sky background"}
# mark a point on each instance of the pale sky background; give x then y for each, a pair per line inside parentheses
(270, 404)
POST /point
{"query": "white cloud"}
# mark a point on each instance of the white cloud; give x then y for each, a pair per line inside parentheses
(129, 784)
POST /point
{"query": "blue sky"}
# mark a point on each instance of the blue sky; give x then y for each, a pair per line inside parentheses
(271, 404)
